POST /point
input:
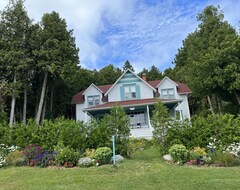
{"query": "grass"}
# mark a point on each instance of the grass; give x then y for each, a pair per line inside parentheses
(144, 171)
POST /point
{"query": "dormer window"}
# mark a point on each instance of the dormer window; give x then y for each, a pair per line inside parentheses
(167, 93)
(93, 100)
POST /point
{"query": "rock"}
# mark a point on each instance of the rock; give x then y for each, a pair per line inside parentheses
(118, 157)
(167, 157)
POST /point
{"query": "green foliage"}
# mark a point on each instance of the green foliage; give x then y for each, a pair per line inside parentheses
(179, 153)
(15, 158)
(70, 132)
(160, 122)
(66, 155)
(197, 152)
(31, 151)
(90, 153)
(103, 155)
(201, 130)
(140, 143)
(127, 65)
(226, 159)
(116, 123)
(208, 61)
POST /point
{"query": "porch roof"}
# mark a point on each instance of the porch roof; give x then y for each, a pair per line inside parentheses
(131, 103)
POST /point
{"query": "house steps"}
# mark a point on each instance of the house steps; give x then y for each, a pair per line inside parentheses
(141, 133)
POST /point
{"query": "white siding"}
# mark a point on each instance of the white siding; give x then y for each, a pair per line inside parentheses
(145, 92)
(166, 84)
(80, 115)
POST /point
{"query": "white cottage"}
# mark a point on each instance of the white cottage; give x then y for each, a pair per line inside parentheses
(137, 96)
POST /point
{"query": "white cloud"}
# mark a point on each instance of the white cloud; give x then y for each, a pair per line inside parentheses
(145, 33)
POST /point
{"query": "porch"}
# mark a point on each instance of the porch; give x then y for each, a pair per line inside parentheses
(139, 112)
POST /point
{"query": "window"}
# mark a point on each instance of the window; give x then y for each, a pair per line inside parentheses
(167, 93)
(130, 92)
(179, 115)
(93, 100)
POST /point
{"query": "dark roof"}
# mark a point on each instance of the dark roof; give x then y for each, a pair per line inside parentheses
(79, 98)
(129, 103)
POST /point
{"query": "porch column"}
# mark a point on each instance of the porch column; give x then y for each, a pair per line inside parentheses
(148, 116)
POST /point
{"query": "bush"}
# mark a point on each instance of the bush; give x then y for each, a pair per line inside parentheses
(90, 153)
(4, 151)
(226, 159)
(140, 143)
(46, 158)
(15, 158)
(179, 153)
(103, 155)
(30, 152)
(85, 162)
(197, 152)
(66, 156)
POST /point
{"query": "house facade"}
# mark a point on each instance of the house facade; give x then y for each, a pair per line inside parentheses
(137, 96)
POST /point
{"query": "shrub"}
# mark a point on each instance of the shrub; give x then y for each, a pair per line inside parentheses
(179, 153)
(15, 158)
(140, 143)
(197, 152)
(160, 122)
(103, 155)
(67, 156)
(46, 158)
(90, 153)
(85, 162)
(31, 151)
(4, 151)
(226, 159)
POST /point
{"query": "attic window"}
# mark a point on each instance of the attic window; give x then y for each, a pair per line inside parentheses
(167, 93)
(93, 100)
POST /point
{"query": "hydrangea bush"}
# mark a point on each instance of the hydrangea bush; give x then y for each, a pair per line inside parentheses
(4, 151)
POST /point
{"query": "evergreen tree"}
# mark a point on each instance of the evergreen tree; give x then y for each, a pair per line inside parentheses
(14, 52)
(127, 65)
(57, 53)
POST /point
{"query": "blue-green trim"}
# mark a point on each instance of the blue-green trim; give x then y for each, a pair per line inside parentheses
(122, 92)
(128, 81)
(138, 95)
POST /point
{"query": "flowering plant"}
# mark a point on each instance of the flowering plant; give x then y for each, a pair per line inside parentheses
(234, 149)
(214, 144)
(31, 151)
(4, 151)
(44, 159)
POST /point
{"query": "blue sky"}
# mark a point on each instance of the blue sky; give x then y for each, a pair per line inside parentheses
(145, 32)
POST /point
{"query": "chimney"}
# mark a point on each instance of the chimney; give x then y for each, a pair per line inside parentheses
(144, 76)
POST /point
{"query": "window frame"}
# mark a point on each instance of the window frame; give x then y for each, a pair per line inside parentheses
(132, 92)
(95, 100)
(165, 93)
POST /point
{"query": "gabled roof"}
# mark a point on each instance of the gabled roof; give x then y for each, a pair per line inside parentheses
(128, 70)
(166, 78)
(94, 87)
(79, 97)
(181, 87)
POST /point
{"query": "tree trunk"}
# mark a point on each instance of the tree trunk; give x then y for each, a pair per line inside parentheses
(51, 103)
(210, 104)
(40, 105)
(44, 108)
(24, 106)
(13, 101)
(237, 97)
(219, 103)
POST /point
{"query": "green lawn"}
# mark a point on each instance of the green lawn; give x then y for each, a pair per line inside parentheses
(144, 171)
